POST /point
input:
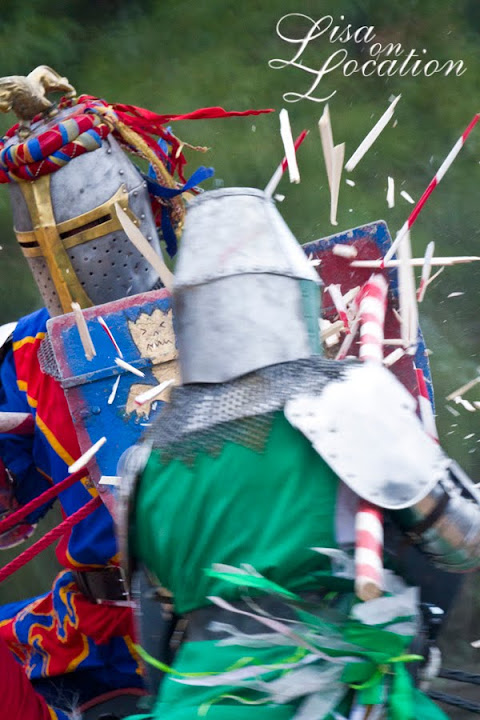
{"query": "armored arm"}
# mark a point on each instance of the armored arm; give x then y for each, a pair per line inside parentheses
(365, 427)
(445, 525)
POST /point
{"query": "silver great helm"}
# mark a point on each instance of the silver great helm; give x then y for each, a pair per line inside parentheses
(69, 232)
(245, 295)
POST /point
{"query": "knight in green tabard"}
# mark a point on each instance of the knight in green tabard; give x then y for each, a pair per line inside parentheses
(241, 507)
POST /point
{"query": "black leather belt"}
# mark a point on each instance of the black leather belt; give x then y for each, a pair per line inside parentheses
(199, 620)
(106, 585)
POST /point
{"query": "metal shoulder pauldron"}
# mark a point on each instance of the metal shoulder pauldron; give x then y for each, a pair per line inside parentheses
(364, 426)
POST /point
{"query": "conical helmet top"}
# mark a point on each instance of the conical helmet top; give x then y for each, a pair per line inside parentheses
(245, 295)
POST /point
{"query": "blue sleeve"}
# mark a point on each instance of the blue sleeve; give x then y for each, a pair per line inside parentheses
(17, 451)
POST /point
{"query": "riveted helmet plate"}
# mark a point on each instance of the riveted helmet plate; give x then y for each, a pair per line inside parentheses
(69, 232)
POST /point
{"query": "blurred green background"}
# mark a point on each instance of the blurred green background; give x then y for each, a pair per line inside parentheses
(176, 57)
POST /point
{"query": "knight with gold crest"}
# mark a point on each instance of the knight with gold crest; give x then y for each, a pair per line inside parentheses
(90, 225)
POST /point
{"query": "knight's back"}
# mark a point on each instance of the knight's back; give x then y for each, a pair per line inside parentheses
(264, 503)
(231, 482)
(236, 506)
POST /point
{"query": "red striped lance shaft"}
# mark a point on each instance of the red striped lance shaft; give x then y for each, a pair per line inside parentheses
(373, 305)
(49, 538)
(8, 522)
(368, 551)
(431, 187)
(369, 518)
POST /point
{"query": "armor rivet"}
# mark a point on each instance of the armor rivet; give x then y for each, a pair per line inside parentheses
(135, 193)
(120, 172)
(96, 410)
(149, 237)
(142, 216)
(109, 152)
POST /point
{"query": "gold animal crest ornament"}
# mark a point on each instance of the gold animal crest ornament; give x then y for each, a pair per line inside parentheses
(26, 95)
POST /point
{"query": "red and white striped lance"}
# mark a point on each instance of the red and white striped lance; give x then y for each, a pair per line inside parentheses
(16, 423)
(431, 187)
(372, 308)
(369, 518)
(368, 551)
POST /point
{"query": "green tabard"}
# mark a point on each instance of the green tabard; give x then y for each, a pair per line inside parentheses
(264, 509)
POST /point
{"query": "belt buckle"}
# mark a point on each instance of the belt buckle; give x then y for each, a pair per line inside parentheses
(93, 583)
(127, 602)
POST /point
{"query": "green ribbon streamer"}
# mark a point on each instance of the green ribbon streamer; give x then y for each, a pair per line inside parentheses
(374, 658)
(258, 582)
(380, 670)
